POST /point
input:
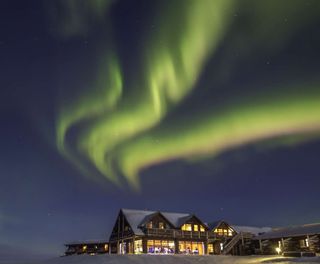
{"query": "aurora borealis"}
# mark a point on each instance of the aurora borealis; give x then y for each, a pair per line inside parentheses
(125, 127)
(205, 106)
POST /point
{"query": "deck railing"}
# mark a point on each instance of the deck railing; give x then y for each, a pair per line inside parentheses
(175, 233)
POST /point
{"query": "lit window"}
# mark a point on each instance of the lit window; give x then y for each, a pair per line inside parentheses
(210, 249)
(223, 232)
(149, 225)
(138, 246)
(202, 228)
(186, 227)
(164, 243)
(161, 225)
(84, 248)
(218, 231)
(304, 243)
(191, 247)
(221, 246)
(105, 247)
(196, 228)
(160, 247)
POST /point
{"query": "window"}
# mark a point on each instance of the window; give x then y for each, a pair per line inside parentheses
(223, 232)
(106, 247)
(161, 225)
(304, 243)
(191, 247)
(160, 246)
(186, 227)
(219, 231)
(149, 225)
(202, 228)
(195, 228)
(123, 248)
(210, 249)
(84, 248)
(138, 249)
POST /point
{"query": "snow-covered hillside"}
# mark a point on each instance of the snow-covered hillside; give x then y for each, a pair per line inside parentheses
(15, 255)
(174, 259)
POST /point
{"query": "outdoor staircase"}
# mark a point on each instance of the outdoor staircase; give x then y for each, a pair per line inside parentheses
(240, 237)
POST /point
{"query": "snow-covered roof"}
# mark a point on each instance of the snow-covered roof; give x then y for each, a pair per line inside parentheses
(214, 225)
(251, 229)
(291, 231)
(88, 242)
(176, 219)
(137, 218)
(246, 229)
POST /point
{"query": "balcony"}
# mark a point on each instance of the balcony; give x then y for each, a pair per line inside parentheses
(173, 233)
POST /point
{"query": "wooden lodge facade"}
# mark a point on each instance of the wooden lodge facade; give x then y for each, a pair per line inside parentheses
(293, 240)
(137, 231)
(155, 232)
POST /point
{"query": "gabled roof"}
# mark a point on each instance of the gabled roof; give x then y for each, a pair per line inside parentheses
(185, 219)
(216, 224)
(135, 218)
(292, 231)
(176, 219)
(138, 218)
(148, 218)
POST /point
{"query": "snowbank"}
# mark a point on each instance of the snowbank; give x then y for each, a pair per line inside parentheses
(15, 255)
(174, 259)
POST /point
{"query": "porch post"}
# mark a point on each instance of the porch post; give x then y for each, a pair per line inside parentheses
(260, 246)
(176, 246)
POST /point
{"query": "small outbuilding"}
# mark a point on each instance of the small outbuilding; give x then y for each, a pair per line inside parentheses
(91, 247)
(302, 238)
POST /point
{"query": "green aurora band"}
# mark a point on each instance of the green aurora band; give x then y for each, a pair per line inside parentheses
(232, 126)
(126, 130)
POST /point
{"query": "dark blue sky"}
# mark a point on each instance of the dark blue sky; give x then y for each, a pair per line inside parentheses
(45, 201)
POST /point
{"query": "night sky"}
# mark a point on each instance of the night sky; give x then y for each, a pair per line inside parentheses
(203, 106)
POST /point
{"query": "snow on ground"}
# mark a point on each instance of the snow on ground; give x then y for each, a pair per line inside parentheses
(174, 259)
(17, 255)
